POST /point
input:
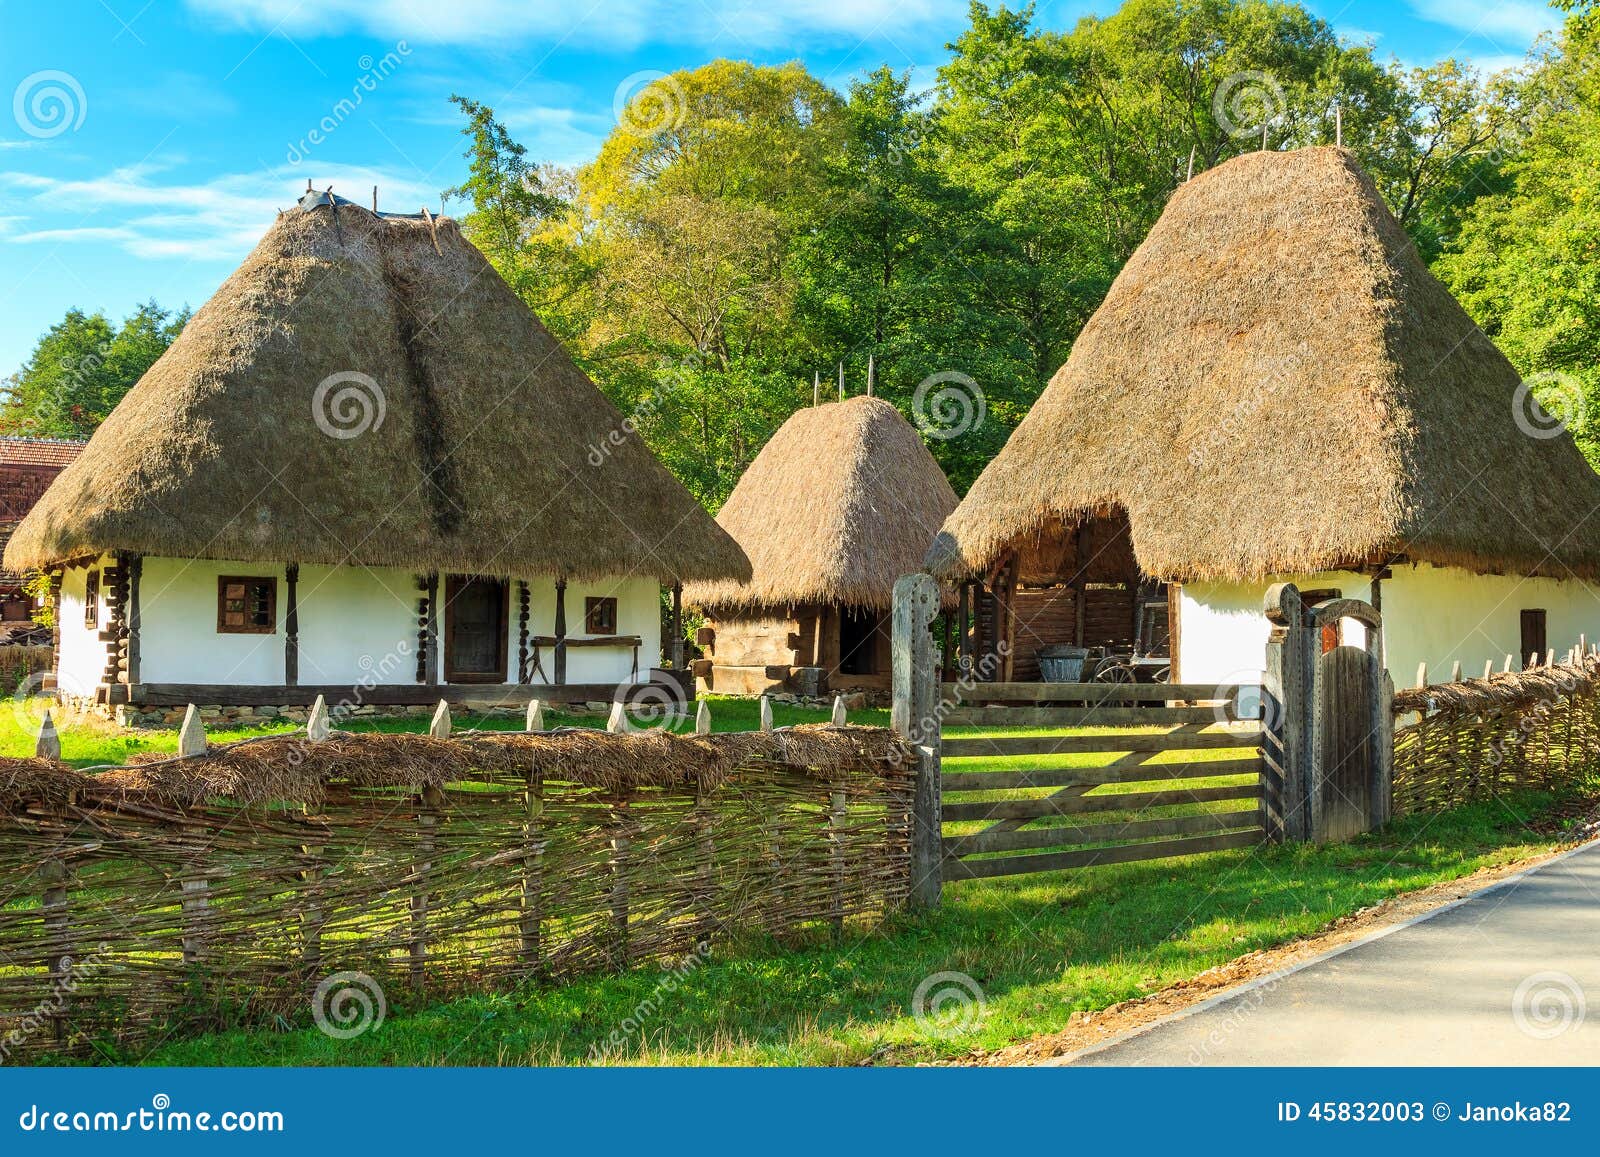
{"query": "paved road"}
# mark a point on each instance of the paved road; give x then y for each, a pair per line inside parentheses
(1502, 978)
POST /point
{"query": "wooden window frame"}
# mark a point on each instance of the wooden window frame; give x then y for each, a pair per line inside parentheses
(1527, 617)
(600, 605)
(91, 600)
(224, 628)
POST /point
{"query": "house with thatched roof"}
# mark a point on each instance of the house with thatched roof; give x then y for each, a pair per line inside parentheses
(27, 467)
(839, 503)
(366, 470)
(1276, 388)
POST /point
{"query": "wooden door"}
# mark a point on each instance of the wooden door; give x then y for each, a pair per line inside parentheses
(476, 611)
(1345, 677)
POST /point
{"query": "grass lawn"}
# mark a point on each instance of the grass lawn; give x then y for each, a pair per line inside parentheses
(1038, 947)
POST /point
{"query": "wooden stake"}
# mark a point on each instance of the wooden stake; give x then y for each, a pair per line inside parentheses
(841, 381)
(766, 714)
(440, 727)
(1488, 668)
(317, 723)
(872, 373)
(838, 711)
(702, 718)
(192, 735)
(1455, 672)
(618, 723)
(535, 720)
(816, 387)
(1422, 674)
(1505, 667)
(1190, 177)
(49, 743)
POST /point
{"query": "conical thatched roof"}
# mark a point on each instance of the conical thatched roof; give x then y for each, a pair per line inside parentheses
(1276, 384)
(842, 500)
(478, 446)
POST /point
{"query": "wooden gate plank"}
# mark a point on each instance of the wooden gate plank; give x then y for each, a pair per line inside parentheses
(1090, 715)
(1118, 801)
(1115, 773)
(1014, 841)
(1123, 854)
(1087, 692)
(956, 747)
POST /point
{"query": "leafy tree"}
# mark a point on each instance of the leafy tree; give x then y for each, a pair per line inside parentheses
(1526, 262)
(81, 368)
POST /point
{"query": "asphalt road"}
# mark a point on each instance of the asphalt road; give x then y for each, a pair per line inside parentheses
(1508, 976)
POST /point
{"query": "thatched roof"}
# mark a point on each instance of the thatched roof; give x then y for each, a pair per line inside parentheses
(491, 452)
(1276, 384)
(840, 502)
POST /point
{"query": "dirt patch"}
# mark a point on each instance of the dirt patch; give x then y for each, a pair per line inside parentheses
(1088, 1029)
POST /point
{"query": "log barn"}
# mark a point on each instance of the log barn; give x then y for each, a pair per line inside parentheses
(364, 470)
(839, 503)
(1277, 389)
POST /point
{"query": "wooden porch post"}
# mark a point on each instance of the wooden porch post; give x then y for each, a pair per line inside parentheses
(291, 624)
(561, 631)
(676, 653)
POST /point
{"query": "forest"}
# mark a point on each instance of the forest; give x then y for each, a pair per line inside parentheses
(746, 231)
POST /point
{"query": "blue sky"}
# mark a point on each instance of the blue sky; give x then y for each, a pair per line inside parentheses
(147, 145)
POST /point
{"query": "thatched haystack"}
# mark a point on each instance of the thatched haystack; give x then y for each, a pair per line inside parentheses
(475, 438)
(1276, 384)
(840, 503)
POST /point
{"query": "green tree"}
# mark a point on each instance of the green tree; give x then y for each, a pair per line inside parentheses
(81, 368)
(1526, 262)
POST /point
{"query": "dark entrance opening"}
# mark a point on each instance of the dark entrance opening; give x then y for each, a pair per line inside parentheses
(1533, 637)
(858, 641)
(476, 611)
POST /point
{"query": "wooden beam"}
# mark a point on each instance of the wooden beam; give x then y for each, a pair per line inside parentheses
(291, 624)
(561, 631)
(1090, 857)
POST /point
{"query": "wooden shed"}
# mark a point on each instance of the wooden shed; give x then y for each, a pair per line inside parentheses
(842, 501)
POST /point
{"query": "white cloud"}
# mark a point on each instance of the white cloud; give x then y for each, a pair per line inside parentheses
(615, 23)
(1519, 22)
(216, 220)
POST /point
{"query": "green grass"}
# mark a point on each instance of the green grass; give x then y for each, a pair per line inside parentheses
(1039, 947)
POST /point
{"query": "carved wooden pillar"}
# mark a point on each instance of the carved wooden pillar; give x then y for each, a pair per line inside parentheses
(291, 624)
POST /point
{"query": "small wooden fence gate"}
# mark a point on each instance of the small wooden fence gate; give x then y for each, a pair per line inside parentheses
(1174, 773)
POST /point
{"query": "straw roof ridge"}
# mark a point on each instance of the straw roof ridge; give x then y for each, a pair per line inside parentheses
(840, 502)
(1276, 384)
(366, 389)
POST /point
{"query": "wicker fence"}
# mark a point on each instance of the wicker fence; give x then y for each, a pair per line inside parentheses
(1473, 738)
(221, 889)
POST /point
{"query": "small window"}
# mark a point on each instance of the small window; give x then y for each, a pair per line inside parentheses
(600, 616)
(91, 600)
(1533, 636)
(246, 606)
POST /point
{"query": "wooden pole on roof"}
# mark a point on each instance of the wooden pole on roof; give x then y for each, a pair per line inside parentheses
(816, 387)
(872, 367)
(1265, 125)
(374, 198)
(1338, 124)
(841, 381)
(1190, 177)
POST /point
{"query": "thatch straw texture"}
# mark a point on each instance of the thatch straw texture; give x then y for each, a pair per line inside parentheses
(1276, 384)
(478, 446)
(841, 501)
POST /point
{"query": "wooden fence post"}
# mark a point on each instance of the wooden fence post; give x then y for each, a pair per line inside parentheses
(839, 713)
(621, 858)
(57, 934)
(535, 718)
(194, 884)
(1286, 717)
(702, 718)
(836, 820)
(533, 867)
(915, 717)
(766, 713)
(48, 745)
(312, 916)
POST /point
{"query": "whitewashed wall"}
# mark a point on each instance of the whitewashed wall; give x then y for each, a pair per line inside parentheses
(83, 655)
(1433, 615)
(356, 624)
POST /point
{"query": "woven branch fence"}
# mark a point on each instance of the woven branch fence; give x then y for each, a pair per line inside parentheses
(217, 890)
(1474, 738)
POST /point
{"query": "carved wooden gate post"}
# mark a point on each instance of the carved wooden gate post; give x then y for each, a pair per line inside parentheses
(1329, 737)
(1286, 688)
(915, 717)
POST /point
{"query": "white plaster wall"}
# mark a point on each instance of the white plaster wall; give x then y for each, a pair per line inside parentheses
(638, 613)
(83, 655)
(178, 637)
(1432, 615)
(356, 624)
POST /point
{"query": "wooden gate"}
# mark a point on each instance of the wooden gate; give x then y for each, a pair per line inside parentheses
(1037, 777)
